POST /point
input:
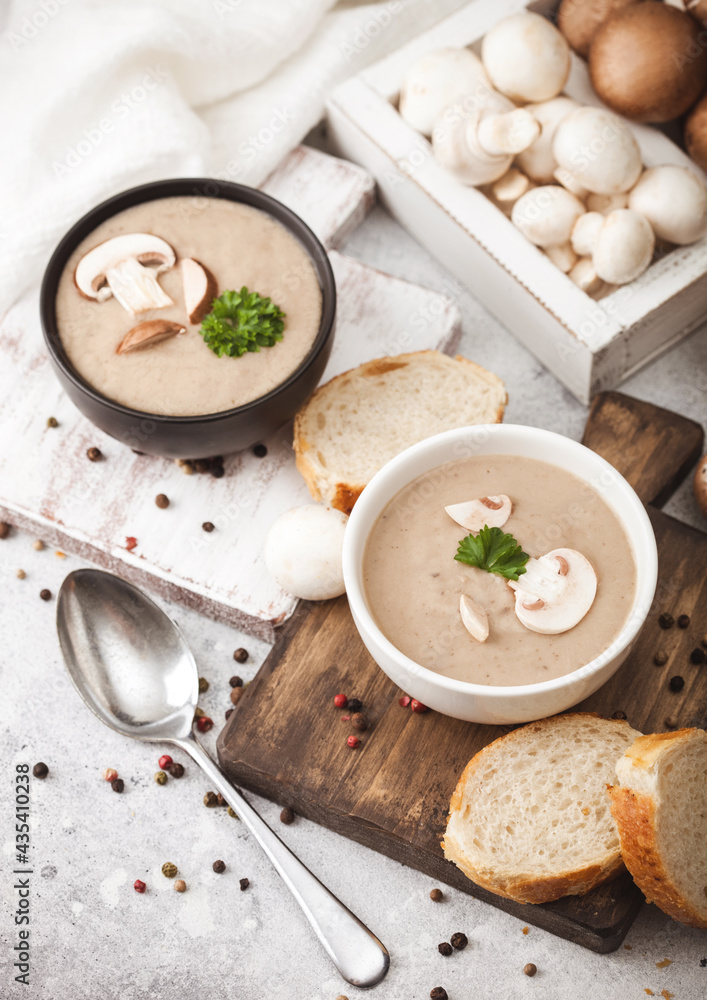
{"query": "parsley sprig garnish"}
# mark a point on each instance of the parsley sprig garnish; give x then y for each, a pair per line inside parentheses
(494, 551)
(242, 321)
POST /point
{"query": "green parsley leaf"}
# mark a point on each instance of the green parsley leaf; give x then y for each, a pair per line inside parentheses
(242, 321)
(494, 551)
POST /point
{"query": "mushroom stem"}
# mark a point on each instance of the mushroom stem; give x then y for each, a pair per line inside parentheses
(509, 133)
(136, 287)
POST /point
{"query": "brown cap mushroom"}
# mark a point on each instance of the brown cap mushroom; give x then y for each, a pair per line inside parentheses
(200, 288)
(699, 485)
(696, 133)
(126, 267)
(648, 62)
(147, 334)
(579, 20)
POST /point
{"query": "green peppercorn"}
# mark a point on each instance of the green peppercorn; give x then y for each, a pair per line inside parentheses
(169, 869)
(203, 685)
(232, 813)
(666, 620)
(52, 422)
(210, 800)
(161, 778)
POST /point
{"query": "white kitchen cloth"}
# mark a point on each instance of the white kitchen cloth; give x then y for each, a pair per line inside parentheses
(99, 95)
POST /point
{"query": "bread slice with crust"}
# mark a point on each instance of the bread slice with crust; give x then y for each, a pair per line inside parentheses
(530, 818)
(660, 808)
(351, 426)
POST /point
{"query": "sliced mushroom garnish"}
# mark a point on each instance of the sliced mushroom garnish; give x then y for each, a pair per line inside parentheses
(474, 514)
(127, 267)
(147, 334)
(200, 289)
(555, 592)
(474, 618)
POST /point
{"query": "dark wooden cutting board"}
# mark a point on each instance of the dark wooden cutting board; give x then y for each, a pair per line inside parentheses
(287, 741)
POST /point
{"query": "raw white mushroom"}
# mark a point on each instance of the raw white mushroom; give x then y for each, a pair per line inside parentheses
(624, 247)
(474, 618)
(303, 551)
(510, 188)
(570, 182)
(674, 200)
(556, 592)
(562, 256)
(199, 287)
(476, 139)
(526, 57)
(436, 80)
(547, 214)
(599, 149)
(538, 161)
(585, 232)
(585, 277)
(605, 203)
(127, 267)
(475, 514)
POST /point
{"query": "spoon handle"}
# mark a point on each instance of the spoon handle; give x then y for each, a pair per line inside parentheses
(356, 952)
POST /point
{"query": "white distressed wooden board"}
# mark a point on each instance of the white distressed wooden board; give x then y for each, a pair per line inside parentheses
(48, 486)
(588, 345)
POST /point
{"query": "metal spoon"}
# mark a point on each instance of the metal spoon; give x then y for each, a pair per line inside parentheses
(133, 668)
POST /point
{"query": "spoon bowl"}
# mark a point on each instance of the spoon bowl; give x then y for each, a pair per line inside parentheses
(132, 666)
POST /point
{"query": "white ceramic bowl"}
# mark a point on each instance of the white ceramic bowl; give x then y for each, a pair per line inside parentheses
(480, 702)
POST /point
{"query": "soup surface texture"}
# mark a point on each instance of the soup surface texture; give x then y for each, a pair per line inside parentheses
(182, 376)
(413, 582)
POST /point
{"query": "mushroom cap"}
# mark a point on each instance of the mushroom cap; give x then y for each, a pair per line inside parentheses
(545, 215)
(538, 161)
(599, 149)
(696, 133)
(579, 20)
(648, 62)
(436, 80)
(624, 247)
(526, 57)
(303, 551)
(151, 251)
(585, 233)
(674, 200)
(455, 144)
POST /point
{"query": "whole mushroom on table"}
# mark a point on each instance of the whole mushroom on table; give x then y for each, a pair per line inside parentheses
(571, 177)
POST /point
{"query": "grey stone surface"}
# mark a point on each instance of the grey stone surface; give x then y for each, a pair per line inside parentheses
(92, 936)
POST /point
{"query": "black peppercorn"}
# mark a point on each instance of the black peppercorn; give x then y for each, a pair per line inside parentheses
(228, 713)
(162, 501)
(287, 816)
(445, 949)
(459, 941)
(217, 471)
(360, 722)
(436, 895)
(660, 658)
(201, 465)
(676, 683)
(354, 705)
(666, 620)
(683, 621)
(530, 969)
(619, 714)
(40, 770)
(244, 883)
(438, 993)
(207, 526)
(45, 594)
(260, 451)
(218, 867)
(697, 656)
(210, 800)
(4, 529)
(240, 656)
(236, 681)
(216, 459)
(94, 454)
(118, 785)
(176, 769)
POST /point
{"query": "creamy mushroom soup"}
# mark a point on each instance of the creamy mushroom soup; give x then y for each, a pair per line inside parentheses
(179, 375)
(413, 584)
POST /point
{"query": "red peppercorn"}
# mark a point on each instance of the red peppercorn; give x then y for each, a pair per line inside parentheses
(204, 723)
(139, 886)
(110, 774)
(417, 706)
(165, 762)
(130, 543)
(353, 742)
(404, 701)
(340, 700)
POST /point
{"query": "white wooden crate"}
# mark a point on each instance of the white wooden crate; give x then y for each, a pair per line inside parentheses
(588, 345)
(49, 488)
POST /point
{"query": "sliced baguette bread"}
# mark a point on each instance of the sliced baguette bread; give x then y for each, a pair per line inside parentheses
(530, 817)
(660, 808)
(351, 426)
